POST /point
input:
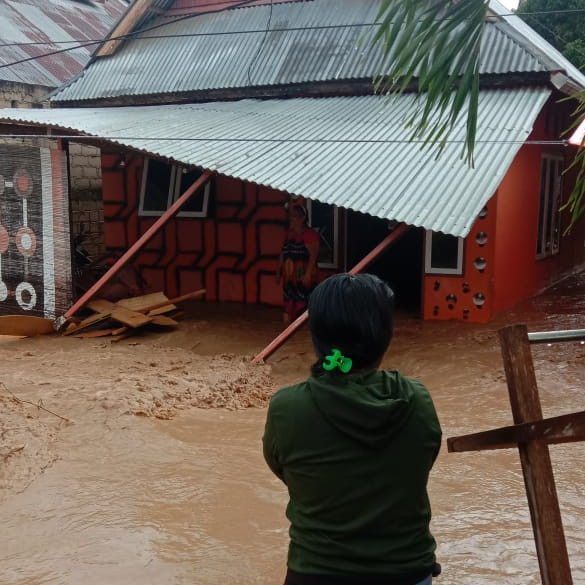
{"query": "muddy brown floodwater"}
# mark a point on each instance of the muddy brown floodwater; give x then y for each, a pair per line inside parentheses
(160, 480)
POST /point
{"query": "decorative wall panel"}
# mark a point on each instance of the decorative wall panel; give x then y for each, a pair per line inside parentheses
(35, 248)
(233, 253)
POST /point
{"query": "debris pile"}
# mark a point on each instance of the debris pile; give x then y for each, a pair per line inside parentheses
(121, 319)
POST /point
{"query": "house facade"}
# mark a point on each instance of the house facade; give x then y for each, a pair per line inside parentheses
(278, 100)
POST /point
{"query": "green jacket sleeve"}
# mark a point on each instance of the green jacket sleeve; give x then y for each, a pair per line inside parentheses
(270, 447)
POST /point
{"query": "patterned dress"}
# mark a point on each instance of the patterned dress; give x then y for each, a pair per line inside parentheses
(295, 256)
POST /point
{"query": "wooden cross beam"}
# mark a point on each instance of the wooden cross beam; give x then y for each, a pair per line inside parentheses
(532, 435)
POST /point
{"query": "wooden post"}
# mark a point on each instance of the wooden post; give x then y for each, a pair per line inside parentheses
(535, 458)
(134, 249)
(282, 337)
(567, 428)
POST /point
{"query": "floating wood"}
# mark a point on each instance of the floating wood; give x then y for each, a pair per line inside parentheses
(161, 310)
(101, 305)
(144, 302)
(89, 322)
(180, 299)
(97, 333)
(163, 321)
(130, 318)
(25, 325)
(116, 338)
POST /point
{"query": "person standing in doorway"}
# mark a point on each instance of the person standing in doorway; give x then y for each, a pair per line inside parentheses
(297, 266)
(355, 446)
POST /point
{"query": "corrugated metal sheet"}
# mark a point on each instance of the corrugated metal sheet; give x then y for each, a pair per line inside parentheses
(50, 22)
(236, 52)
(553, 59)
(352, 152)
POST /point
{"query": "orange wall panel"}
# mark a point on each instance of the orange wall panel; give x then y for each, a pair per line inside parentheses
(468, 297)
(519, 274)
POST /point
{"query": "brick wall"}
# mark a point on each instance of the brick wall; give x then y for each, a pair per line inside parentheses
(21, 95)
(87, 209)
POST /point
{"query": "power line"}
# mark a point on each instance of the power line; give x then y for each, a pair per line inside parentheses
(261, 45)
(128, 36)
(122, 37)
(89, 42)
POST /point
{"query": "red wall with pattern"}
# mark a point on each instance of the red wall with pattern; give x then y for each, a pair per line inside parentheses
(233, 253)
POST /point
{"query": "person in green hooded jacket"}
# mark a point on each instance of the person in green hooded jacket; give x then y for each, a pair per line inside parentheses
(354, 446)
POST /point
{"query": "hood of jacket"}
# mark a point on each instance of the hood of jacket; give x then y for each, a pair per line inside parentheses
(369, 407)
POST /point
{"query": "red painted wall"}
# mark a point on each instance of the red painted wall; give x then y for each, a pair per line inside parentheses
(233, 253)
(518, 274)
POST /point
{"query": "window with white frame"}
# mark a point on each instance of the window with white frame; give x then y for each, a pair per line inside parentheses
(324, 219)
(443, 253)
(549, 213)
(163, 184)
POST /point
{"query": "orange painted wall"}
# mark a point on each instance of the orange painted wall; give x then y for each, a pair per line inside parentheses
(518, 274)
(469, 297)
(512, 272)
(233, 253)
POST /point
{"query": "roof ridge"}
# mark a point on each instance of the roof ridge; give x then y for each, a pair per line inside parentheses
(535, 44)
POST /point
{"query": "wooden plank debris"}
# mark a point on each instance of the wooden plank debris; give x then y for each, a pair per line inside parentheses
(122, 319)
(163, 321)
(93, 320)
(25, 325)
(130, 318)
(101, 305)
(96, 333)
(144, 302)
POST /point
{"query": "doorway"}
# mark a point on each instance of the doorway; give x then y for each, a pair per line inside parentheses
(401, 266)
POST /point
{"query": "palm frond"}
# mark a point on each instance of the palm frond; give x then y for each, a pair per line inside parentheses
(576, 201)
(436, 43)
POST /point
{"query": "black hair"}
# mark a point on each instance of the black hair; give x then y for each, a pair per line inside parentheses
(351, 313)
(299, 209)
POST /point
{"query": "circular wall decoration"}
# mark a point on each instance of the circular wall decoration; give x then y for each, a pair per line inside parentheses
(26, 241)
(26, 296)
(3, 291)
(480, 263)
(4, 239)
(23, 183)
(481, 238)
(479, 300)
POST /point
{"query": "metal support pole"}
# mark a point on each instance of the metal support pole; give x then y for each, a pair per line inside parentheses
(365, 261)
(135, 248)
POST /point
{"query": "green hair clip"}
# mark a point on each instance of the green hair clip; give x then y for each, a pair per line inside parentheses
(336, 360)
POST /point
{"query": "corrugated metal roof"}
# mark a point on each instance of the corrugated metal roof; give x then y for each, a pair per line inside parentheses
(553, 59)
(352, 152)
(236, 52)
(50, 22)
